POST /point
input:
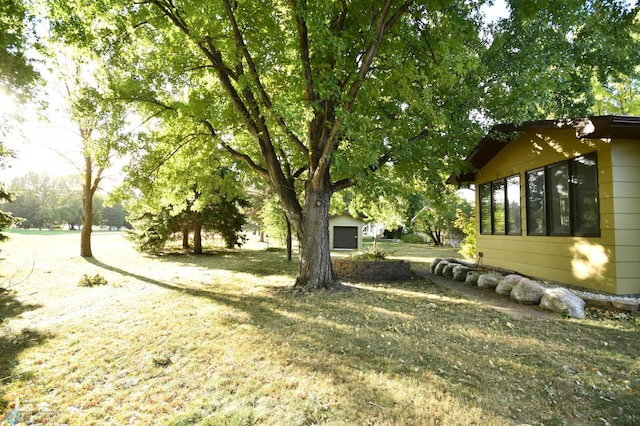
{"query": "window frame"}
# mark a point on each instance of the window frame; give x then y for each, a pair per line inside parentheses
(571, 198)
(489, 189)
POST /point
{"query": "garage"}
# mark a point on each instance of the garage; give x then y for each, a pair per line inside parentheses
(345, 232)
(345, 237)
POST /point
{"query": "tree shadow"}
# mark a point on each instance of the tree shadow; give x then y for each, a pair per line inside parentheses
(13, 342)
(455, 344)
(257, 262)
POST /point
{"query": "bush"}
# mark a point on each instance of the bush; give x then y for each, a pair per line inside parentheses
(468, 226)
(374, 254)
(412, 239)
(94, 281)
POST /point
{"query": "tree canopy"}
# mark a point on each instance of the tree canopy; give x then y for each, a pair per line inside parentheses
(317, 96)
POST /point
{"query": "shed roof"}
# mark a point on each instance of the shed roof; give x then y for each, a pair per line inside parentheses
(592, 127)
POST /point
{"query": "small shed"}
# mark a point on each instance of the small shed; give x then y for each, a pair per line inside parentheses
(345, 232)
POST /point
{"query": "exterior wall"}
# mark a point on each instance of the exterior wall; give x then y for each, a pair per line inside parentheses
(586, 262)
(625, 157)
(345, 220)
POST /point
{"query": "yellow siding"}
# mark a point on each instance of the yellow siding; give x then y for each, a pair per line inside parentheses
(584, 262)
(625, 157)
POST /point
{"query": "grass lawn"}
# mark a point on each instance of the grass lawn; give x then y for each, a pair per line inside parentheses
(219, 340)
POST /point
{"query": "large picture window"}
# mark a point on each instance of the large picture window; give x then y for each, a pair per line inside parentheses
(500, 207)
(562, 199)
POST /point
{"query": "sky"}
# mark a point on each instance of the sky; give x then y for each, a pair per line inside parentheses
(53, 146)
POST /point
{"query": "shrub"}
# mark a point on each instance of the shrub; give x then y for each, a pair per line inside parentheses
(412, 239)
(94, 281)
(468, 226)
(373, 254)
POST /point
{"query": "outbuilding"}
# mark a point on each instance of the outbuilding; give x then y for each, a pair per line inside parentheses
(560, 200)
(345, 232)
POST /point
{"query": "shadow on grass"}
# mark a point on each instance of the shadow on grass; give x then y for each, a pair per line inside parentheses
(12, 343)
(518, 370)
(257, 262)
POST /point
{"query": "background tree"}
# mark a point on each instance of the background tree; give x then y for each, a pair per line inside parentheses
(101, 124)
(35, 200)
(438, 214)
(45, 201)
(618, 96)
(115, 216)
(315, 96)
(153, 230)
(273, 219)
(6, 218)
(188, 184)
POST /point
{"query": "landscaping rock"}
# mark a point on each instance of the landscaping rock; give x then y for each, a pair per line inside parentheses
(460, 272)
(563, 301)
(472, 278)
(527, 291)
(488, 281)
(625, 304)
(434, 263)
(448, 270)
(507, 283)
(598, 302)
(440, 267)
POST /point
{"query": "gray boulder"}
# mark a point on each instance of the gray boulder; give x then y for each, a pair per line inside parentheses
(472, 278)
(448, 270)
(434, 263)
(488, 281)
(507, 283)
(460, 272)
(440, 267)
(625, 304)
(528, 292)
(562, 301)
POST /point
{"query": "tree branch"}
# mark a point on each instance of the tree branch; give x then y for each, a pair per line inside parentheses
(266, 100)
(235, 154)
(349, 182)
(382, 27)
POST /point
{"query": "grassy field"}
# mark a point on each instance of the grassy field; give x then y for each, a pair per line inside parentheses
(220, 340)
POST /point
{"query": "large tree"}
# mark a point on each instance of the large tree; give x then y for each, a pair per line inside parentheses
(316, 96)
(99, 121)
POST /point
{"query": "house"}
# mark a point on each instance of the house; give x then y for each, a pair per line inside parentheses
(560, 201)
(345, 232)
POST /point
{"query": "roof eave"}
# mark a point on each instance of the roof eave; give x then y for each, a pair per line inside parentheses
(593, 127)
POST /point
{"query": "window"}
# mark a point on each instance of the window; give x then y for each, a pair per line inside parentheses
(514, 223)
(498, 204)
(485, 209)
(536, 206)
(559, 208)
(562, 199)
(500, 207)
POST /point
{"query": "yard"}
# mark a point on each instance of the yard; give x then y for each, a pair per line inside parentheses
(219, 339)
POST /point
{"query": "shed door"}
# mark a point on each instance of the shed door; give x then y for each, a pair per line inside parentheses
(345, 237)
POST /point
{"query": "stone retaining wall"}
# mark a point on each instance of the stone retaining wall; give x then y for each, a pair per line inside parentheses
(372, 270)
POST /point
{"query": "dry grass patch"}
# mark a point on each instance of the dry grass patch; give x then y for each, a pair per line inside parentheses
(218, 339)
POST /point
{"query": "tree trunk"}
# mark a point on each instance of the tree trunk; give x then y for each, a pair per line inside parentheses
(185, 236)
(289, 246)
(87, 211)
(316, 269)
(197, 238)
